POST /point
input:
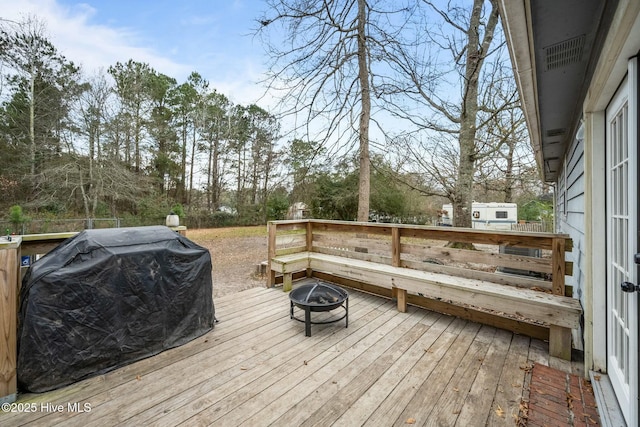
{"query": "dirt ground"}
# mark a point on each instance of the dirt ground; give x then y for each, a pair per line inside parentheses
(234, 261)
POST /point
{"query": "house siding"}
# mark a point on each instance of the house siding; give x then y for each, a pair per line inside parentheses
(570, 211)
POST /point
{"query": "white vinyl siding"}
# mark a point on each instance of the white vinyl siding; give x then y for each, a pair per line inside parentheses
(570, 217)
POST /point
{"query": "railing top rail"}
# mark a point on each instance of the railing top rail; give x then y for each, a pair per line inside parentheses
(447, 230)
(47, 236)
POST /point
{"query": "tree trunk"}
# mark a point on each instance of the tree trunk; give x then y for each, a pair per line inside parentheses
(32, 125)
(475, 57)
(182, 196)
(193, 156)
(364, 186)
(508, 176)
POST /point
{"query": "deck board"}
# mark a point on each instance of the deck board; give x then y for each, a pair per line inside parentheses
(257, 368)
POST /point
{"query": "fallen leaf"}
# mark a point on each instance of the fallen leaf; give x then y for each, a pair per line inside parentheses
(456, 389)
(242, 368)
(596, 377)
(306, 363)
(138, 377)
(500, 412)
(410, 421)
(570, 399)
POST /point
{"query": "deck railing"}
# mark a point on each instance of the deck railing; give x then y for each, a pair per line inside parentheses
(519, 259)
(427, 248)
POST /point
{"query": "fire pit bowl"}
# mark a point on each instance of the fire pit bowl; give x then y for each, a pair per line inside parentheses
(319, 297)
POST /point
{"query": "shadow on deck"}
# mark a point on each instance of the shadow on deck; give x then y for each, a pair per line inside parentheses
(257, 368)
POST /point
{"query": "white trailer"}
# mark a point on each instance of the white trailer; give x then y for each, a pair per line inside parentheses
(486, 216)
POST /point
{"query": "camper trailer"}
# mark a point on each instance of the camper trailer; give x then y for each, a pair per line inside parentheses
(485, 216)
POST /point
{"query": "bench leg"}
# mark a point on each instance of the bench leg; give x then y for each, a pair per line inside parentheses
(560, 342)
(287, 281)
(401, 296)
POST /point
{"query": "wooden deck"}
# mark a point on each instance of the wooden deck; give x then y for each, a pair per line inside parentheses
(257, 368)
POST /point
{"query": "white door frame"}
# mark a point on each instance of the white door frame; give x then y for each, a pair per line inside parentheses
(622, 243)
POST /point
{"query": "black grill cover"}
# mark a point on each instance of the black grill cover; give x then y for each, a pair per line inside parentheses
(106, 298)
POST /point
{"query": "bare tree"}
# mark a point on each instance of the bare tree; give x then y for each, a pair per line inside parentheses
(322, 70)
(509, 164)
(446, 99)
(93, 115)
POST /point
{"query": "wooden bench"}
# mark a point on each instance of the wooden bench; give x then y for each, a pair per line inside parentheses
(560, 313)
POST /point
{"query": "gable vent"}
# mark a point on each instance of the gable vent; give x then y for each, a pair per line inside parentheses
(564, 53)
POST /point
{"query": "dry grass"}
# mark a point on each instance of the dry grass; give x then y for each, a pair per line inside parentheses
(220, 233)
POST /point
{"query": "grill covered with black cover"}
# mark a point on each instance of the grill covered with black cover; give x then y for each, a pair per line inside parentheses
(106, 298)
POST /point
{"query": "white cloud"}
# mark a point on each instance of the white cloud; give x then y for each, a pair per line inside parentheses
(90, 45)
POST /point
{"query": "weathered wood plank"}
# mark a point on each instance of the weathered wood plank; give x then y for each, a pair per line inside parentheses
(271, 253)
(479, 400)
(427, 395)
(401, 371)
(398, 397)
(452, 400)
(290, 250)
(214, 398)
(273, 403)
(341, 401)
(552, 309)
(9, 275)
(542, 265)
(251, 370)
(325, 383)
(145, 384)
(362, 256)
(558, 265)
(479, 316)
(349, 242)
(503, 279)
(506, 400)
(290, 263)
(225, 340)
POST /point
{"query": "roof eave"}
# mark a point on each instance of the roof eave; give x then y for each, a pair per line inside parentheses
(516, 22)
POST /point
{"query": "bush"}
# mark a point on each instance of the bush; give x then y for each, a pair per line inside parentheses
(17, 218)
(223, 219)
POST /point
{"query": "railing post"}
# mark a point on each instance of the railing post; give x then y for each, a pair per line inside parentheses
(559, 338)
(309, 243)
(399, 294)
(271, 253)
(9, 276)
(558, 265)
(309, 236)
(395, 246)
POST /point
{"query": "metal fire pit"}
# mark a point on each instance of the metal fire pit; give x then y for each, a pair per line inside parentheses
(317, 297)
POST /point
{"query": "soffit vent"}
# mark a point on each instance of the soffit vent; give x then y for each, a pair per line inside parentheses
(564, 53)
(556, 132)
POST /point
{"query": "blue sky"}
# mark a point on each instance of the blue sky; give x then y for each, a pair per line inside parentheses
(212, 37)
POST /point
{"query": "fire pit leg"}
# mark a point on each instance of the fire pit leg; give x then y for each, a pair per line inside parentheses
(346, 316)
(307, 321)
